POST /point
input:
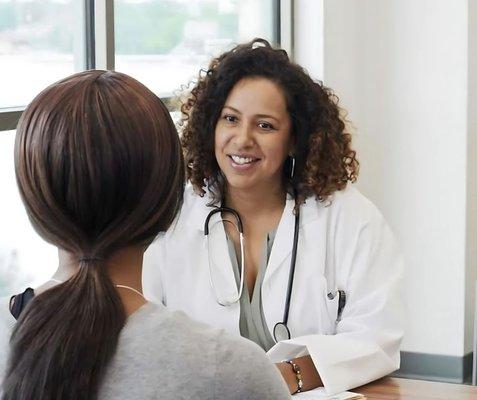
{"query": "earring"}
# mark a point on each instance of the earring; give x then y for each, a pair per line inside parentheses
(293, 167)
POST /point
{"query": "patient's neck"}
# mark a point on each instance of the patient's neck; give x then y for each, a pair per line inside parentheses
(124, 267)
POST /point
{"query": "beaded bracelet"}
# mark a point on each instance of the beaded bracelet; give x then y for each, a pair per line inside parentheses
(297, 371)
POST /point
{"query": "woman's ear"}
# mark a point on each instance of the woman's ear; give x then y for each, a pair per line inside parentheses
(291, 151)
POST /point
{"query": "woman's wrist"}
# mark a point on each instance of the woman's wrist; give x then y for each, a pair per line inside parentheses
(297, 371)
(288, 375)
(310, 377)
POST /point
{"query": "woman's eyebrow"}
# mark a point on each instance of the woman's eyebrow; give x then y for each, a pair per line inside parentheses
(267, 116)
(233, 109)
(256, 116)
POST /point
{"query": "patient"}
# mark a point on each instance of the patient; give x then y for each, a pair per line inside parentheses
(100, 171)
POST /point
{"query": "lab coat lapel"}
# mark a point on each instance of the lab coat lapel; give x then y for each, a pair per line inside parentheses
(215, 247)
(275, 282)
(283, 243)
(276, 275)
(198, 211)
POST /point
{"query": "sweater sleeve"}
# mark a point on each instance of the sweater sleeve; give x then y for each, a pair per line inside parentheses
(243, 371)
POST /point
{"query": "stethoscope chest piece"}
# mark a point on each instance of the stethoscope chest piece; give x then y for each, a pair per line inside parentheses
(281, 332)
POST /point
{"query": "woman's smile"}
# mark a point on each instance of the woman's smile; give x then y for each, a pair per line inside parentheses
(242, 163)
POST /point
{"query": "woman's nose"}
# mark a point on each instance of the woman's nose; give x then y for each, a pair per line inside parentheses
(244, 136)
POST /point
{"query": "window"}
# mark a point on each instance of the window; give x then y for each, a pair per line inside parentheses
(41, 41)
(25, 259)
(165, 43)
(39, 44)
(162, 43)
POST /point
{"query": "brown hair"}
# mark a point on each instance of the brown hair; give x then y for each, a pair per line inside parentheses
(99, 167)
(325, 161)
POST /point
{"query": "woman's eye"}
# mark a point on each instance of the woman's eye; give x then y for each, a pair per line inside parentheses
(230, 118)
(266, 126)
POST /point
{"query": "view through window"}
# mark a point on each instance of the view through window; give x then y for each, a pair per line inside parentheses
(38, 42)
(164, 44)
(25, 259)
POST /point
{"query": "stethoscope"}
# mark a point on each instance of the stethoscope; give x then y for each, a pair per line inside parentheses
(280, 331)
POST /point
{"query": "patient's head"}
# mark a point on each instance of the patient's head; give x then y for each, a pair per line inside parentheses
(98, 164)
(99, 168)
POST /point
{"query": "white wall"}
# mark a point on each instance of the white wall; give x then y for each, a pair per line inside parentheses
(400, 69)
(309, 36)
(471, 276)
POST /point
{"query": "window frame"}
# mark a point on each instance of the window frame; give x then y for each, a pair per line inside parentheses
(97, 50)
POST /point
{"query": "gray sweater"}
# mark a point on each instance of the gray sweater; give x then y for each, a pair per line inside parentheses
(165, 355)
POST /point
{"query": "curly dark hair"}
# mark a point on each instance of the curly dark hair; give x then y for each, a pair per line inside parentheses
(325, 161)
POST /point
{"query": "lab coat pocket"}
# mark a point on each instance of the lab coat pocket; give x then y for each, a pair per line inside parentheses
(326, 308)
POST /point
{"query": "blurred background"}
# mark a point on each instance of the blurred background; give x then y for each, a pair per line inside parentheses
(405, 72)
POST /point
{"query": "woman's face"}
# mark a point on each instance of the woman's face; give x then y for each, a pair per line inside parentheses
(253, 135)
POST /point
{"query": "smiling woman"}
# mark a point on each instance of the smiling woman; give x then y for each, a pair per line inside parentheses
(267, 150)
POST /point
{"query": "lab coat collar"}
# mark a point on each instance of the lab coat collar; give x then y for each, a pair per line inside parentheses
(199, 209)
(283, 243)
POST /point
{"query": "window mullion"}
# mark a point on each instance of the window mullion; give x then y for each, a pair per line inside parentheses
(89, 35)
(286, 25)
(104, 34)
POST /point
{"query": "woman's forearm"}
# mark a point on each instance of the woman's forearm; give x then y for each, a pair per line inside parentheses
(310, 377)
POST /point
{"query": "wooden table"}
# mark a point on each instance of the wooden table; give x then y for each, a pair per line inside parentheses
(410, 389)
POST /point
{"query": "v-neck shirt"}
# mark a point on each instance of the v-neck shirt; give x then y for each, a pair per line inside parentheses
(252, 322)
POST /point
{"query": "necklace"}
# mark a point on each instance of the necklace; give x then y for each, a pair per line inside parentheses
(132, 289)
(118, 286)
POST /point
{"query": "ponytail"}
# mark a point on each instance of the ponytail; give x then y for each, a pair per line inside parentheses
(99, 168)
(72, 327)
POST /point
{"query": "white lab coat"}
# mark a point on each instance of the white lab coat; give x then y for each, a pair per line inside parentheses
(343, 243)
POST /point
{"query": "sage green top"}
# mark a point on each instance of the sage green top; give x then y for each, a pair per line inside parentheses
(252, 320)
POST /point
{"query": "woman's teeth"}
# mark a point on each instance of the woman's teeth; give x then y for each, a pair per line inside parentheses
(242, 160)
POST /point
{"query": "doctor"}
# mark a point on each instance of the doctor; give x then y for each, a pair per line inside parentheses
(273, 242)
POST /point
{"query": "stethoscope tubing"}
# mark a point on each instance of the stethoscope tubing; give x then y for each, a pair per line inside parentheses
(221, 209)
(239, 227)
(291, 274)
